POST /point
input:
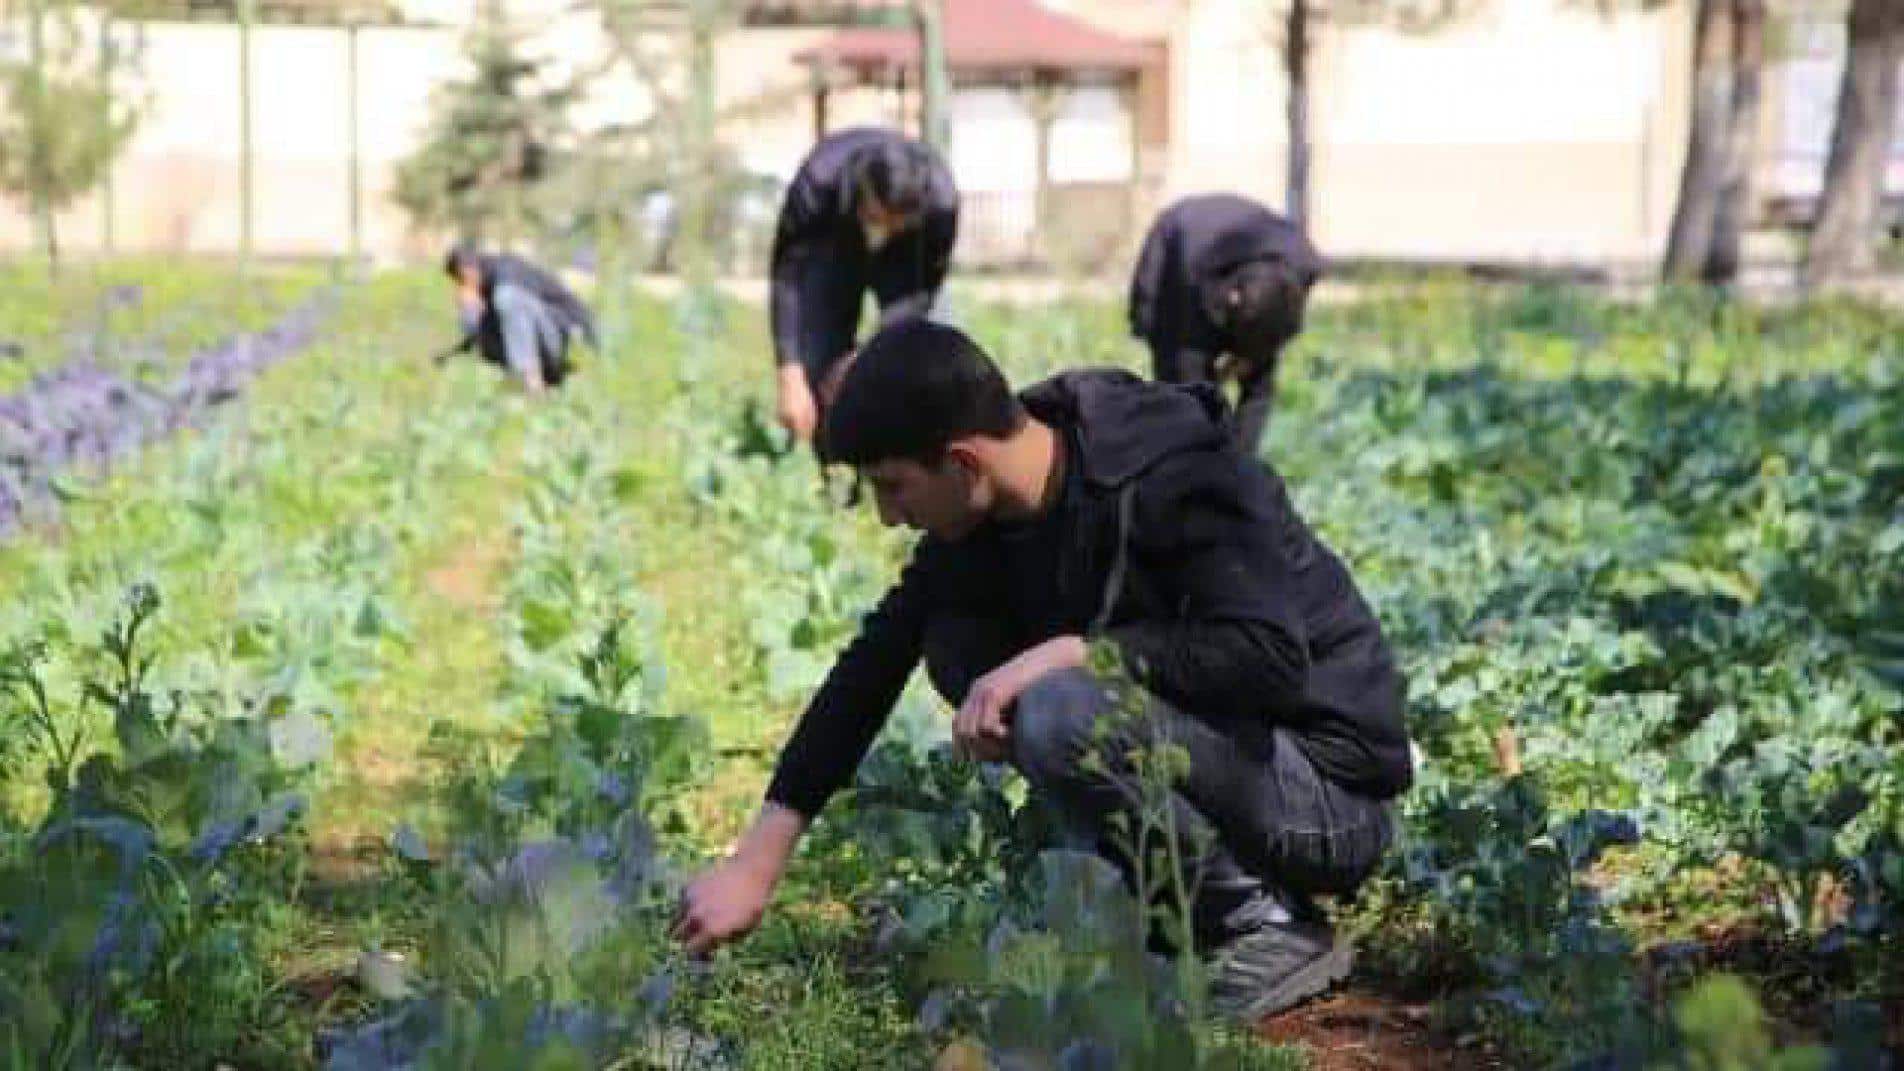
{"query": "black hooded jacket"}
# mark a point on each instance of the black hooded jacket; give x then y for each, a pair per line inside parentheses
(822, 268)
(1216, 560)
(1190, 248)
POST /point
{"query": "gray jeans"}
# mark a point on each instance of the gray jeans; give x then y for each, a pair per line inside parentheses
(1258, 826)
(535, 348)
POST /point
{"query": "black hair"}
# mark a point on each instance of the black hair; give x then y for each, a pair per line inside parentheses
(461, 255)
(897, 174)
(914, 388)
(1259, 303)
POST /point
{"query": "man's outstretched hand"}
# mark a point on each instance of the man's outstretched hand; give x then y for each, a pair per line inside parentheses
(795, 408)
(980, 730)
(723, 904)
(727, 900)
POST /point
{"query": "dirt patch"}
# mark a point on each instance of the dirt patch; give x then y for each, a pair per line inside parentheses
(344, 858)
(465, 579)
(1357, 1030)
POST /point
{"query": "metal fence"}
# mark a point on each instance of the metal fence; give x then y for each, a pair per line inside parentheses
(1084, 224)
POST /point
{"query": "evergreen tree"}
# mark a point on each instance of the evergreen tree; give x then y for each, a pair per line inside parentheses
(496, 137)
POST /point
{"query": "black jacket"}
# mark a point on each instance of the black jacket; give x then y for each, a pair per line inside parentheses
(1210, 538)
(1193, 244)
(822, 268)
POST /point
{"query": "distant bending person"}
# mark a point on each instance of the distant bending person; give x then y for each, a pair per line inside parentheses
(869, 209)
(1219, 290)
(516, 316)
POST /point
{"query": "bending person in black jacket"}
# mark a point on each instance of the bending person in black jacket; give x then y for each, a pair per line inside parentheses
(1219, 290)
(517, 316)
(1100, 509)
(869, 210)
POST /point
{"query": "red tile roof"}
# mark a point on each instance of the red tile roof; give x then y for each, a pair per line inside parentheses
(991, 35)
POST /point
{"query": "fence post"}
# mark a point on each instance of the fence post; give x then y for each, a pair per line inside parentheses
(245, 193)
(352, 101)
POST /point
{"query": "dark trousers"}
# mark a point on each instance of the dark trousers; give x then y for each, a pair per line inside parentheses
(1258, 827)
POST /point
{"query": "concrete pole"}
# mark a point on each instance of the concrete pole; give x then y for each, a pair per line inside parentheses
(352, 94)
(245, 178)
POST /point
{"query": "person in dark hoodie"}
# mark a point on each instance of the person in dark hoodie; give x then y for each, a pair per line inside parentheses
(517, 316)
(869, 209)
(1097, 508)
(1218, 292)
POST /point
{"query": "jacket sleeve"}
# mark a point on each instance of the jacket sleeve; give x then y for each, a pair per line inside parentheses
(1237, 642)
(853, 704)
(803, 215)
(1147, 282)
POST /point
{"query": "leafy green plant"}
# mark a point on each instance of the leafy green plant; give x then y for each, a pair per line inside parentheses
(1721, 1028)
(127, 919)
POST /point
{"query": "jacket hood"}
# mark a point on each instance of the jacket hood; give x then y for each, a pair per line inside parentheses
(1126, 425)
(1274, 239)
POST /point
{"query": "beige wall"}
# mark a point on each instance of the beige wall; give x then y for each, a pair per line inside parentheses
(1533, 130)
(1528, 130)
(178, 186)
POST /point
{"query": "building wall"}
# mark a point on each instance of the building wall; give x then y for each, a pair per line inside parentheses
(1528, 130)
(178, 186)
(1533, 129)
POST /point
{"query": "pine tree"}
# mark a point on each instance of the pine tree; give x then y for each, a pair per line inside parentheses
(495, 138)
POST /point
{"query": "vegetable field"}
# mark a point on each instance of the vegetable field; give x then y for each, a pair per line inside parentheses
(361, 714)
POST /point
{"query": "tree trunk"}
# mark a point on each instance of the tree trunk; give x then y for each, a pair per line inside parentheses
(1706, 143)
(107, 59)
(1296, 47)
(1841, 237)
(696, 203)
(1733, 208)
(935, 104)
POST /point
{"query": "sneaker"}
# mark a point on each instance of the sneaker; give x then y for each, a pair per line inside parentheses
(1277, 966)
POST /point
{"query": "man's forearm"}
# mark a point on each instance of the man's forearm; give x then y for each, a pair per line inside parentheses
(768, 844)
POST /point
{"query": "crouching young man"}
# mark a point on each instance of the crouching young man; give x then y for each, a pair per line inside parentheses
(1099, 508)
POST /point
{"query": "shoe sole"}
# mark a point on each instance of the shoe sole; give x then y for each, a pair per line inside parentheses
(1313, 980)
